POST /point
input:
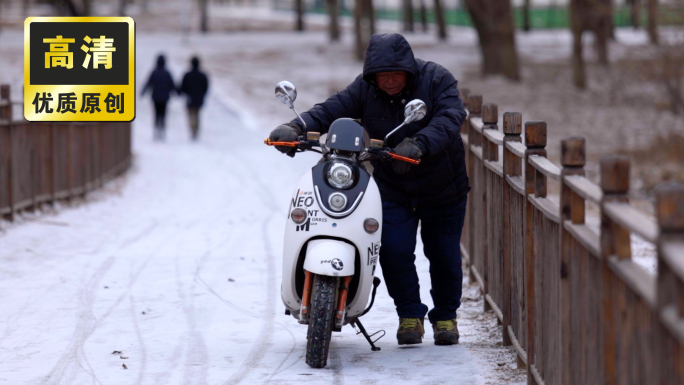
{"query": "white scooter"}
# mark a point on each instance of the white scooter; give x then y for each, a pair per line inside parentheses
(332, 236)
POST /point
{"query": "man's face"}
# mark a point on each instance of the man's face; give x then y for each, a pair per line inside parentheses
(391, 82)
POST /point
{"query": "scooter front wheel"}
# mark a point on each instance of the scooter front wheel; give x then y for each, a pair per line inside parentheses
(323, 300)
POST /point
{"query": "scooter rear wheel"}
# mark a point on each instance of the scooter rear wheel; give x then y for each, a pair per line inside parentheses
(323, 300)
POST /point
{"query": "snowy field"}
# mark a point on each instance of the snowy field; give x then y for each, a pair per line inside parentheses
(176, 265)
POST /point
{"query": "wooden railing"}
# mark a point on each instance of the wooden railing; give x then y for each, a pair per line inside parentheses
(571, 301)
(41, 162)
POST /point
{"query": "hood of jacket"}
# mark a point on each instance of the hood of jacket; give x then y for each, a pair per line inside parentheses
(386, 53)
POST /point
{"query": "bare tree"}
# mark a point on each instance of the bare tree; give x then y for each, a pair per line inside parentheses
(204, 15)
(493, 21)
(441, 20)
(423, 15)
(299, 9)
(578, 11)
(408, 15)
(333, 25)
(636, 13)
(526, 15)
(67, 7)
(87, 8)
(602, 27)
(122, 7)
(653, 21)
(364, 26)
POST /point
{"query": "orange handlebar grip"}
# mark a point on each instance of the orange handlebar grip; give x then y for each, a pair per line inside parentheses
(405, 159)
(285, 144)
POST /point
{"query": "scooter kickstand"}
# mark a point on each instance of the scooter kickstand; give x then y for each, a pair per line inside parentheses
(368, 337)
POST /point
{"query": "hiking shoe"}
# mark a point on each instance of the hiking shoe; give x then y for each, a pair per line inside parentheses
(410, 331)
(446, 332)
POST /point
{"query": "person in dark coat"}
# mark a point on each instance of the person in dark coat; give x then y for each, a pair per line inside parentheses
(161, 83)
(195, 85)
(433, 192)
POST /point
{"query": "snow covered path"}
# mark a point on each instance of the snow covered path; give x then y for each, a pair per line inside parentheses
(177, 266)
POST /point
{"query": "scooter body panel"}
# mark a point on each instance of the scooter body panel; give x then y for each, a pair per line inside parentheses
(348, 231)
(330, 257)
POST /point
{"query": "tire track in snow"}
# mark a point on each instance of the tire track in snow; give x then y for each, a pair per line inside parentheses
(141, 341)
(258, 351)
(338, 377)
(84, 328)
(196, 350)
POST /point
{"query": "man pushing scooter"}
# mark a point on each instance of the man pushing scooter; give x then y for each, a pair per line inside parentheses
(433, 192)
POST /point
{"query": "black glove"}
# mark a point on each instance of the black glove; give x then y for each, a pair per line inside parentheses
(285, 133)
(408, 148)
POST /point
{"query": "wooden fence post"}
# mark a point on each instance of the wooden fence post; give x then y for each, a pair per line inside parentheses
(474, 103)
(535, 141)
(573, 158)
(614, 241)
(669, 352)
(6, 116)
(512, 166)
(490, 152)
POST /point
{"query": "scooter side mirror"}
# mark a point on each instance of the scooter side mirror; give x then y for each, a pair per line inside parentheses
(415, 110)
(286, 93)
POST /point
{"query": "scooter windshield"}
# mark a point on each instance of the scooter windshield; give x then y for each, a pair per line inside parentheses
(346, 135)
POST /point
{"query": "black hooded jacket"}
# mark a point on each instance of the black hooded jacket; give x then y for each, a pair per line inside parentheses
(195, 85)
(161, 82)
(440, 178)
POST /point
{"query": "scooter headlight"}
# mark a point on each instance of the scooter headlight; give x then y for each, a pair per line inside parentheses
(340, 175)
(337, 201)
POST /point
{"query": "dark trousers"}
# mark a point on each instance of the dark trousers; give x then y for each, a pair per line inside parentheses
(193, 117)
(441, 234)
(159, 119)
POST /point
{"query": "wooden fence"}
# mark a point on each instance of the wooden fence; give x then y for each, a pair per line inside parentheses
(41, 162)
(570, 299)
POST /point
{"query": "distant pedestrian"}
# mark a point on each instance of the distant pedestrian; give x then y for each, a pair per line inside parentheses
(195, 85)
(162, 85)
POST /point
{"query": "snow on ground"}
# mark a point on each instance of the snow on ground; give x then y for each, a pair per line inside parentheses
(176, 264)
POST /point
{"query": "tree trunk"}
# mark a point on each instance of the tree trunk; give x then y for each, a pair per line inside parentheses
(86, 8)
(122, 7)
(441, 20)
(603, 22)
(653, 21)
(204, 18)
(333, 25)
(364, 26)
(526, 16)
(423, 15)
(408, 15)
(493, 21)
(299, 10)
(636, 13)
(577, 12)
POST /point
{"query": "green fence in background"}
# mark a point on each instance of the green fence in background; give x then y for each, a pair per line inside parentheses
(540, 18)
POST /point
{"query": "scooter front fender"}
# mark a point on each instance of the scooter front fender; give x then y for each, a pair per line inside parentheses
(330, 257)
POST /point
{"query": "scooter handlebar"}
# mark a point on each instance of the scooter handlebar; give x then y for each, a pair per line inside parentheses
(384, 153)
